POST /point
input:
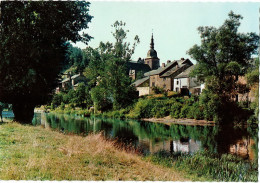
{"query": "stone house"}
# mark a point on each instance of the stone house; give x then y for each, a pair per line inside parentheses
(71, 82)
(137, 68)
(162, 77)
(142, 86)
(185, 84)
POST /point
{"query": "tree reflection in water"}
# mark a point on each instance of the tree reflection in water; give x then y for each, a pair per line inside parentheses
(153, 137)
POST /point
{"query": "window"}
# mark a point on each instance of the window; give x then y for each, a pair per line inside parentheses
(177, 89)
(177, 82)
(164, 79)
(164, 86)
(153, 84)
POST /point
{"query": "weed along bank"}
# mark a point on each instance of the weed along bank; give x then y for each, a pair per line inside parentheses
(165, 96)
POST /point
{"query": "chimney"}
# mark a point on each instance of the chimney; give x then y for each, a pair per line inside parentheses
(182, 58)
(163, 65)
(168, 61)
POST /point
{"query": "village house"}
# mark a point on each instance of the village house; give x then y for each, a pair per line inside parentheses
(137, 69)
(163, 76)
(185, 84)
(172, 76)
(71, 82)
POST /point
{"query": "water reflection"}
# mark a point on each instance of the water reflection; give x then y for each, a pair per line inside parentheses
(153, 137)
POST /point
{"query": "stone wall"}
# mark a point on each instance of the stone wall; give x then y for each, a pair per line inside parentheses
(162, 82)
(143, 90)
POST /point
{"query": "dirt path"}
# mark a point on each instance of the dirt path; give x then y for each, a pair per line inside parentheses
(168, 120)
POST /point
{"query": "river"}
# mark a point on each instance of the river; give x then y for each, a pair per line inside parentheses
(150, 137)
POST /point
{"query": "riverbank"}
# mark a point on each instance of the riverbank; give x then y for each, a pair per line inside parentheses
(168, 121)
(35, 153)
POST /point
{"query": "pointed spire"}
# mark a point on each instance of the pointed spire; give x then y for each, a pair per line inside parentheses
(152, 43)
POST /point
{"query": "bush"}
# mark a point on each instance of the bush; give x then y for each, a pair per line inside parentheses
(57, 100)
(211, 104)
(175, 110)
(196, 111)
(185, 111)
(62, 106)
(158, 90)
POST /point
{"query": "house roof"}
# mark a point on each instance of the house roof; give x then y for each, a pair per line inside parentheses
(72, 77)
(75, 76)
(168, 69)
(185, 73)
(65, 80)
(160, 69)
(140, 81)
(138, 66)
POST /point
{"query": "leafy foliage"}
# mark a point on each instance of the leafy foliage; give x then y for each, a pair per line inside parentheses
(33, 44)
(107, 71)
(224, 54)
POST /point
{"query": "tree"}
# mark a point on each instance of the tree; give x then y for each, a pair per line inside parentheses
(252, 77)
(33, 44)
(76, 60)
(107, 69)
(223, 56)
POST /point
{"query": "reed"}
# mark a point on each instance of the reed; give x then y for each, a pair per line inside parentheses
(210, 166)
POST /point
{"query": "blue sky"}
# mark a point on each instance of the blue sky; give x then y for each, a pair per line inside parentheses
(174, 24)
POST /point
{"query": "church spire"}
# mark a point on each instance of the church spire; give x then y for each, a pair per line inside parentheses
(152, 43)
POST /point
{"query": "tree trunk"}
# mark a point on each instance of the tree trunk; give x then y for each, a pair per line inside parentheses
(23, 113)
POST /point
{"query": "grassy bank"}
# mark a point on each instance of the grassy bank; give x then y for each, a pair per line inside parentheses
(210, 166)
(35, 153)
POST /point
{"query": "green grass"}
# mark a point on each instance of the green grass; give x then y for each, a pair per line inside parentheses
(36, 153)
(210, 167)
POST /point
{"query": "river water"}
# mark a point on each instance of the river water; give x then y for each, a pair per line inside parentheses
(150, 137)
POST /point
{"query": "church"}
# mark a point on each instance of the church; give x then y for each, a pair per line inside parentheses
(151, 62)
(171, 76)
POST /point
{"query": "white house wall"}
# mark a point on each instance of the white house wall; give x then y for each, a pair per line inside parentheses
(182, 82)
(143, 90)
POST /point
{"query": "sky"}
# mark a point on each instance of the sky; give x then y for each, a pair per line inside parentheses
(174, 24)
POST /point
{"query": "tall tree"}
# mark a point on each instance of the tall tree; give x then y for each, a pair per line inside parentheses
(223, 56)
(223, 53)
(33, 44)
(107, 69)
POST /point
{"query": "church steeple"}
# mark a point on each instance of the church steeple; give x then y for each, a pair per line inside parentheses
(152, 53)
(152, 60)
(152, 43)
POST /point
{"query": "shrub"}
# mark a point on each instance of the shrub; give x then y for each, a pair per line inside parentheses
(211, 104)
(196, 111)
(158, 90)
(175, 110)
(185, 111)
(62, 106)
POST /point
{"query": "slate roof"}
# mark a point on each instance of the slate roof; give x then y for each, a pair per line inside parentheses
(140, 81)
(65, 80)
(160, 69)
(75, 76)
(168, 69)
(72, 77)
(138, 66)
(185, 73)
